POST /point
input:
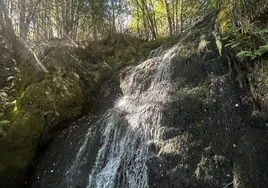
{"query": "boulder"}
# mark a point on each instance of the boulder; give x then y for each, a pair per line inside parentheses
(43, 100)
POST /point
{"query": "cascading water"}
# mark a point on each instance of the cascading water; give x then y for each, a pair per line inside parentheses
(127, 129)
(181, 122)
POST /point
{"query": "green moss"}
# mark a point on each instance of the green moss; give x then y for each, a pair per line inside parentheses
(42, 101)
(20, 142)
(37, 111)
(100, 71)
(224, 20)
(127, 54)
(4, 126)
(56, 99)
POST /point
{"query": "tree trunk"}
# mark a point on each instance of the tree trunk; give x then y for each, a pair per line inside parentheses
(6, 25)
(169, 18)
(138, 17)
(113, 18)
(23, 27)
(181, 15)
(150, 19)
(176, 16)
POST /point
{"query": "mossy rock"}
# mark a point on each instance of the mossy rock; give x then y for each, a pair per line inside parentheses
(42, 102)
(18, 146)
(55, 99)
(37, 111)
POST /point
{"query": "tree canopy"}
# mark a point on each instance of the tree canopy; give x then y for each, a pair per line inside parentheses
(88, 20)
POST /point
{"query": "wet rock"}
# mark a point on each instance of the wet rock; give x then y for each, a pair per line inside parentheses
(217, 147)
(181, 122)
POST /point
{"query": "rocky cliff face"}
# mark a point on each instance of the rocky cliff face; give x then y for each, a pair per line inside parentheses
(211, 137)
(182, 121)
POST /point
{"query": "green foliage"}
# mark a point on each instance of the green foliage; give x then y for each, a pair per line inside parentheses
(250, 44)
(254, 53)
(241, 13)
(127, 51)
(247, 11)
(246, 53)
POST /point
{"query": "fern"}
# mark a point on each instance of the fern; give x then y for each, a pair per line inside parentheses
(233, 44)
(246, 53)
(253, 54)
(260, 32)
(264, 48)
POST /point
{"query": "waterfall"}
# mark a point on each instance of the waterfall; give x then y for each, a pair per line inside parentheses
(120, 139)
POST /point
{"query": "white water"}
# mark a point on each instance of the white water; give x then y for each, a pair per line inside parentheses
(128, 128)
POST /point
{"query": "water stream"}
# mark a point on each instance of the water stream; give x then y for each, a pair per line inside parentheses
(122, 136)
(181, 121)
